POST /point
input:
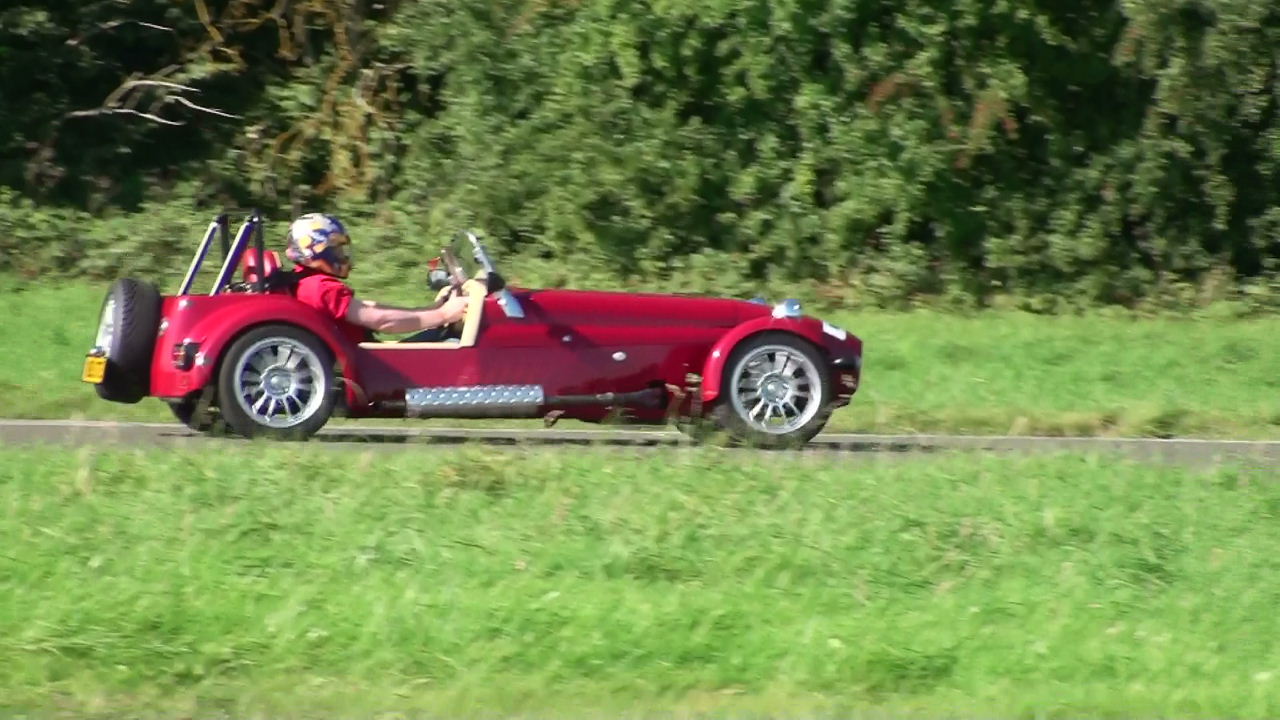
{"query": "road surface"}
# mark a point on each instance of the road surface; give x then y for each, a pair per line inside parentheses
(1258, 454)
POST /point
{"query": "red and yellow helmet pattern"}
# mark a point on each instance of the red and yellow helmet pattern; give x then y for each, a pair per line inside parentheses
(320, 242)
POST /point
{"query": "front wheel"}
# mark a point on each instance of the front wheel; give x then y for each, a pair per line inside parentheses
(277, 381)
(775, 392)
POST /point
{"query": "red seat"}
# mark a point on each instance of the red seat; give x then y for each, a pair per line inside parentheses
(250, 267)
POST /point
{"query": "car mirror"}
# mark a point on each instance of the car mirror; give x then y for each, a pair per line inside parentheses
(438, 279)
(494, 282)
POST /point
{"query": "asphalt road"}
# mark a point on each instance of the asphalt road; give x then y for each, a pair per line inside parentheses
(1254, 454)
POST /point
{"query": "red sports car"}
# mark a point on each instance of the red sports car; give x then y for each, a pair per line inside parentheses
(268, 365)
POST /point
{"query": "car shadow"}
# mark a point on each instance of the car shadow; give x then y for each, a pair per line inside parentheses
(355, 436)
(658, 440)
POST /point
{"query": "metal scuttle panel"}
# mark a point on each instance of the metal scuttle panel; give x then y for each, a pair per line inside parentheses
(423, 399)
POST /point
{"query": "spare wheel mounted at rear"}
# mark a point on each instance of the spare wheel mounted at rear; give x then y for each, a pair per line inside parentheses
(127, 325)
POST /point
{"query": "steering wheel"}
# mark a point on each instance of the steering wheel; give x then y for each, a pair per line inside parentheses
(457, 276)
(457, 280)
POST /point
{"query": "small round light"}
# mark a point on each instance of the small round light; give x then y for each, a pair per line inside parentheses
(789, 308)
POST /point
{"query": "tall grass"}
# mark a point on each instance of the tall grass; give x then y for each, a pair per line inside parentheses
(300, 581)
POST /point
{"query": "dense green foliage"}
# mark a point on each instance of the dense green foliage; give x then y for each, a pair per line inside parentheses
(1084, 149)
(603, 583)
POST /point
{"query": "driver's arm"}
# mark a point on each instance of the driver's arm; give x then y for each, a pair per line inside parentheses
(388, 319)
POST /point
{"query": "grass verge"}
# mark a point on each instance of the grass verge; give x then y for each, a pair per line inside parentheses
(308, 582)
(999, 372)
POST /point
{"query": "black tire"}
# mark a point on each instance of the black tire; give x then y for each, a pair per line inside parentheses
(133, 308)
(185, 412)
(733, 421)
(235, 383)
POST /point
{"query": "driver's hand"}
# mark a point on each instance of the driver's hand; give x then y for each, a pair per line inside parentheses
(454, 308)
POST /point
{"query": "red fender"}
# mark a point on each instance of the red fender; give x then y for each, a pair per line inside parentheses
(215, 322)
(713, 369)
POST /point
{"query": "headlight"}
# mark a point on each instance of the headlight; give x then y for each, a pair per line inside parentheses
(789, 308)
(833, 331)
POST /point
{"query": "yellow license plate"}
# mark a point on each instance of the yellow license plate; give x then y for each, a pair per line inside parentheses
(95, 368)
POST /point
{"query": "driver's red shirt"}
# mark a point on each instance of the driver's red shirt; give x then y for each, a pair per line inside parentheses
(330, 296)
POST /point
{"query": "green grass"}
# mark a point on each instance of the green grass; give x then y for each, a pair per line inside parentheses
(207, 583)
(999, 372)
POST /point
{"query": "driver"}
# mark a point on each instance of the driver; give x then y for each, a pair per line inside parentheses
(318, 244)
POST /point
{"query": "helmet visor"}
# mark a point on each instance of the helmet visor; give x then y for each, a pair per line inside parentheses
(338, 255)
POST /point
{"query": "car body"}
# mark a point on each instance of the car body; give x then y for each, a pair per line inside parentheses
(521, 353)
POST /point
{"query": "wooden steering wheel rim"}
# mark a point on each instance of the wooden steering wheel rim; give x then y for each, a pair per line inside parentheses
(453, 327)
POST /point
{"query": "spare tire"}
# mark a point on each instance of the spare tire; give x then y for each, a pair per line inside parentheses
(127, 328)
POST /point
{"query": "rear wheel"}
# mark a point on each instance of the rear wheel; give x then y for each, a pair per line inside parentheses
(188, 412)
(127, 334)
(276, 381)
(775, 392)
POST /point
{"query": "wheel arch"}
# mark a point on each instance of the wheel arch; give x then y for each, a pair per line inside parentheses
(713, 367)
(225, 343)
(217, 344)
(241, 419)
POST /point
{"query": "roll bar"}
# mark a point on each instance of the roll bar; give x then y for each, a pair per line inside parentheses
(231, 251)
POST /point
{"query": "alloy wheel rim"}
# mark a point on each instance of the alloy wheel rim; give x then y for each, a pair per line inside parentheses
(776, 389)
(279, 382)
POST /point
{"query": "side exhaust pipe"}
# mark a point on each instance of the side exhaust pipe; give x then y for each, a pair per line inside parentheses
(649, 398)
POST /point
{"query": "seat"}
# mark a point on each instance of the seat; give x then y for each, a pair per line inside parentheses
(252, 267)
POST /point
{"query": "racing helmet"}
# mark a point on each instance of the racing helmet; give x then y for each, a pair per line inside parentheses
(320, 242)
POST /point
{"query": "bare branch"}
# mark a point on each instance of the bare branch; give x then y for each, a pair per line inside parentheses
(110, 25)
(201, 108)
(159, 83)
(202, 11)
(122, 111)
(127, 85)
(124, 101)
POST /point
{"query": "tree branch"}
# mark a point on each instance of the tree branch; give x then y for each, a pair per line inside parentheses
(128, 85)
(123, 101)
(112, 24)
(122, 111)
(201, 108)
